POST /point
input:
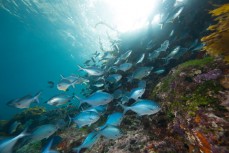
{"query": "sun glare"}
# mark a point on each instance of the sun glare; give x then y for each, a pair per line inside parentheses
(130, 15)
(156, 19)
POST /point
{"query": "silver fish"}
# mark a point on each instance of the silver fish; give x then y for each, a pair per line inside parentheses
(124, 99)
(97, 98)
(150, 45)
(94, 71)
(14, 127)
(177, 13)
(89, 141)
(98, 109)
(86, 118)
(48, 148)
(25, 101)
(81, 80)
(107, 55)
(141, 59)
(126, 55)
(198, 47)
(43, 132)
(171, 33)
(142, 107)
(117, 61)
(194, 44)
(118, 94)
(113, 119)
(6, 145)
(59, 100)
(142, 84)
(159, 71)
(125, 67)
(173, 52)
(164, 45)
(141, 72)
(136, 93)
(113, 69)
(153, 55)
(99, 84)
(71, 78)
(169, 17)
(111, 132)
(64, 84)
(113, 78)
(180, 53)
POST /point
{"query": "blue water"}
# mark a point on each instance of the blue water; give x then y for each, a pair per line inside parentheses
(29, 58)
(39, 40)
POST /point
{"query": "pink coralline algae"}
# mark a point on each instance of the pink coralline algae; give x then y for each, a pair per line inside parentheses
(211, 75)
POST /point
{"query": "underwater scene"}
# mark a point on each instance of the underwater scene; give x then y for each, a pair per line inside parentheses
(114, 76)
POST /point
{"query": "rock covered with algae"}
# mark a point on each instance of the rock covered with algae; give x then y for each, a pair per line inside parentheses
(193, 116)
(195, 110)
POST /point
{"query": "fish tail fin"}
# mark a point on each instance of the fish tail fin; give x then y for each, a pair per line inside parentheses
(125, 99)
(80, 68)
(115, 68)
(73, 84)
(36, 98)
(76, 150)
(24, 133)
(130, 79)
(79, 99)
(85, 83)
(62, 77)
(125, 108)
(48, 146)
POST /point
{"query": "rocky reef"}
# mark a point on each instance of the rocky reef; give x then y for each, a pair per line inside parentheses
(194, 116)
(195, 104)
(194, 97)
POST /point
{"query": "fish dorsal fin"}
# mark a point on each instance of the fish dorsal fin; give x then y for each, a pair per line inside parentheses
(62, 77)
(136, 102)
(25, 97)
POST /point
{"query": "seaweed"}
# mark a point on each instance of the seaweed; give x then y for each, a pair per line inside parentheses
(168, 81)
(216, 44)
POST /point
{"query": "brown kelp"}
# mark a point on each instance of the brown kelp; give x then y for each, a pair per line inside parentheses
(216, 44)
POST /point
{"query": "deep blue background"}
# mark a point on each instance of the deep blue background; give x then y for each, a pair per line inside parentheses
(30, 56)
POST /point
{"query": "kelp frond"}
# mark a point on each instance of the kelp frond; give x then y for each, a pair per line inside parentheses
(217, 43)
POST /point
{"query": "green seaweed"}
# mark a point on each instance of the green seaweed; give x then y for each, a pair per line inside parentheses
(35, 147)
(196, 63)
(170, 115)
(31, 112)
(167, 81)
(200, 98)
